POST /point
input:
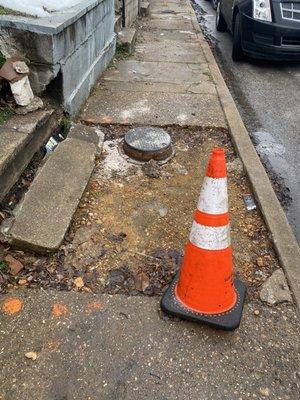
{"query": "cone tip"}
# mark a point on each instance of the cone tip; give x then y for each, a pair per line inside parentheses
(218, 151)
(217, 164)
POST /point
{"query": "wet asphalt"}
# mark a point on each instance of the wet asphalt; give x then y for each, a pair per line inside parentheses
(268, 97)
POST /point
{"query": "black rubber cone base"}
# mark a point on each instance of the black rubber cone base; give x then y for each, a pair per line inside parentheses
(228, 320)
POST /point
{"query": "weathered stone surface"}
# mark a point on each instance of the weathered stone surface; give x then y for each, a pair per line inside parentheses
(131, 11)
(90, 134)
(164, 34)
(170, 8)
(20, 138)
(275, 290)
(10, 142)
(171, 24)
(165, 72)
(118, 23)
(35, 104)
(78, 42)
(157, 109)
(145, 9)
(26, 123)
(168, 15)
(204, 87)
(73, 100)
(44, 215)
(127, 38)
(170, 51)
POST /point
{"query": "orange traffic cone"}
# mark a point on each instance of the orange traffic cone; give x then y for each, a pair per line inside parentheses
(204, 290)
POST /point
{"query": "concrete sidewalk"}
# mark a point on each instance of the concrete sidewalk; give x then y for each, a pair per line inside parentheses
(113, 347)
(165, 82)
(123, 348)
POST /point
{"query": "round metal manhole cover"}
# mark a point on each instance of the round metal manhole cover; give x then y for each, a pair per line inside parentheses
(146, 143)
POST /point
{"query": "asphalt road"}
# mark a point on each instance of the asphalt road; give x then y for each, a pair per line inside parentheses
(92, 347)
(268, 97)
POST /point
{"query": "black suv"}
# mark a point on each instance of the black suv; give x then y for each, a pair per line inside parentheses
(267, 29)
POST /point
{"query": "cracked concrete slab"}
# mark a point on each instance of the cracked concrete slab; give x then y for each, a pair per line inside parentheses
(163, 34)
(43, 217)
(10, 143)
(204, 87)
(171, 24)
(166, 72)
(169, 16)
(169, 9)
(150, 108)
(169, 51)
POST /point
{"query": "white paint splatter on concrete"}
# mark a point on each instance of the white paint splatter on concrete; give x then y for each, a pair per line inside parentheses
(113, 163)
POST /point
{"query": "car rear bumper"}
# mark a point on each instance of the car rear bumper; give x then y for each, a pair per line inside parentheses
(270, 40)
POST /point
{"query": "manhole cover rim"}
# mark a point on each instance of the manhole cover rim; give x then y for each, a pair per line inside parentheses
(138, 141)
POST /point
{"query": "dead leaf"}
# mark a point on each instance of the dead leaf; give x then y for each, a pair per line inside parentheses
(31, 355)
(78, 282)
(141, 281)
(15, 266)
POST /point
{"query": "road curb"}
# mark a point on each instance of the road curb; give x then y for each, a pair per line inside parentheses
(284, 240)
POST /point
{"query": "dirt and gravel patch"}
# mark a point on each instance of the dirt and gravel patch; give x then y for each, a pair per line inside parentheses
(129, 232)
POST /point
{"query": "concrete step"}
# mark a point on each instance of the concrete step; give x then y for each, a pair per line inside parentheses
(43, 217)
(127, 39)
(20, 138)
(118, 23)
(145, 9)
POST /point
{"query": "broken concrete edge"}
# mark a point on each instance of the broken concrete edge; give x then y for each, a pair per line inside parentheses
(87, 133)
(53, 24)
(37, 238)
(127, 38)
(144, 9)
(284, 240)
(35, 136)
(78, 133)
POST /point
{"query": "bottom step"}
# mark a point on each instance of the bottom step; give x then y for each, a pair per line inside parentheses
(127, 38)
(44, 216)
(20, 138)
(145, 9)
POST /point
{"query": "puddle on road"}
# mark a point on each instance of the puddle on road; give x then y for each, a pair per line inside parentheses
(133, 222)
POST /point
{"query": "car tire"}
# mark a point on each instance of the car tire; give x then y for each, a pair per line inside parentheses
(237, 49)
(214, 4)
(221, 25)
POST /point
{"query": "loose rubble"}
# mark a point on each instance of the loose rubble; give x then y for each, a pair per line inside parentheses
(130, 229)
(275, 290)
(31, 355)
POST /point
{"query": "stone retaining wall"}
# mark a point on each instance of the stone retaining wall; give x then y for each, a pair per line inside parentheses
(75, 45)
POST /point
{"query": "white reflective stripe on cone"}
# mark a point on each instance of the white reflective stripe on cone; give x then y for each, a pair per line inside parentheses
(213, 197)
(210, 237)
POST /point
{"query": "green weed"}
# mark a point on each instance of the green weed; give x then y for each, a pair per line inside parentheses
(3, 266)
